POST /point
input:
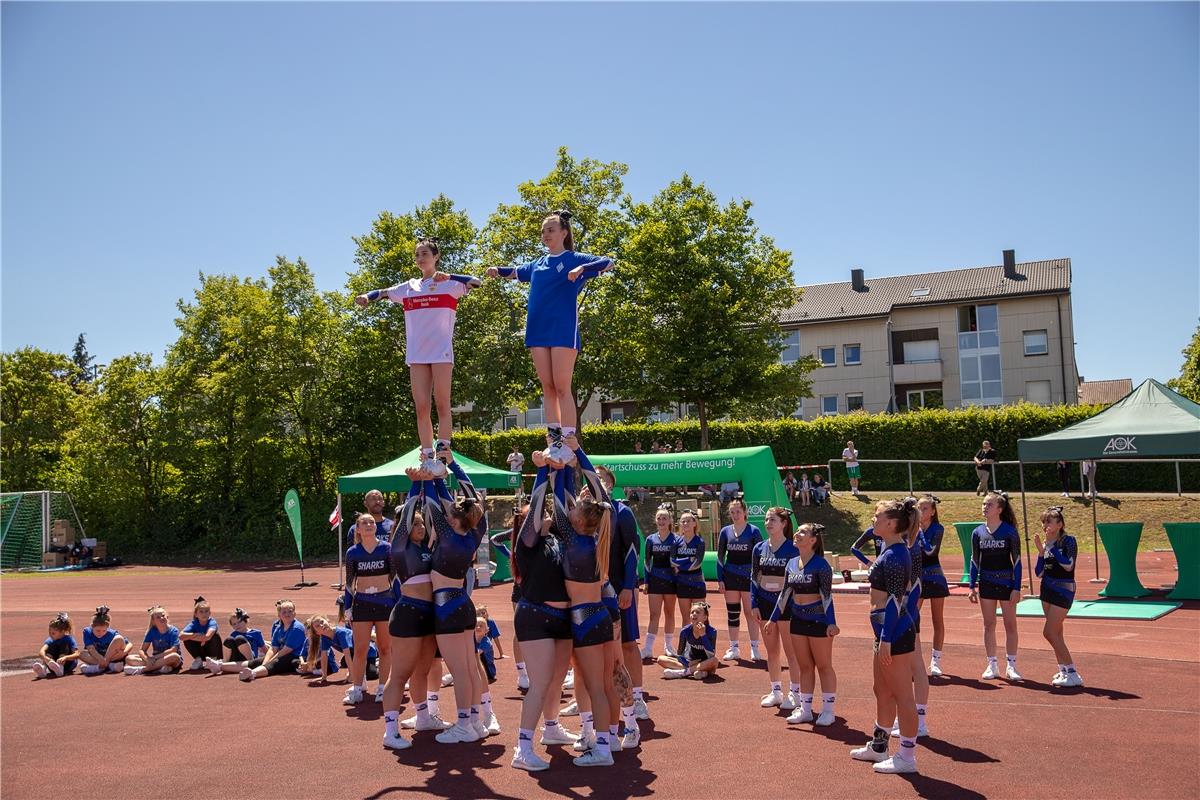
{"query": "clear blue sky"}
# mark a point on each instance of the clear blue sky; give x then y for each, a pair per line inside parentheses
(144, 143)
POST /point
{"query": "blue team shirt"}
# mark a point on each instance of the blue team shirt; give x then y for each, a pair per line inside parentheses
(101, 644)
(254, 636)
(66, 643)
(161, 642)
(292, 636)
(196, 626)
(493, 631)
(552, 319)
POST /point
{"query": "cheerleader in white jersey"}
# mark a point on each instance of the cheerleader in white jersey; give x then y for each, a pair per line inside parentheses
(552, 322)
(430, 306)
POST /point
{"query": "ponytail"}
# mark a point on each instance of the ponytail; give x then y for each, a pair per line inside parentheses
(603, 539)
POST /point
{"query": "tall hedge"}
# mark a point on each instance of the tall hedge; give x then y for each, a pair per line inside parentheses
(934, 434)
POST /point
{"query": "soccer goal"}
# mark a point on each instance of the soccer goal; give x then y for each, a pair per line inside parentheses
(26, 523)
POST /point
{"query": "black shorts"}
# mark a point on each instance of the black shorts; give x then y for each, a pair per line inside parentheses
(1056, 598)
(736, 581)
(808, 627)
(765, 602)
(453, 611)
(411, 619)
(933, 583)
(630, 632)
(691, 586)
(659, 582)
(534, 621)
(994, 591)
(280, 666)
(904, 645)
(590, 625)
(372, 607)
(608, 596)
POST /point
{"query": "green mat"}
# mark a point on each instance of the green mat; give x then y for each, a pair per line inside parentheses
(1103, 609)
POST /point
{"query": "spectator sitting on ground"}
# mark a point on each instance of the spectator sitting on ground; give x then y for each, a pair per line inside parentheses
(804, 489)
(820, 489)
(790, 486)
(729, 491)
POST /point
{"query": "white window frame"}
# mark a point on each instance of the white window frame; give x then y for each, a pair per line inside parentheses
(535, 416)
(1049, 392)
(1045, 344)
(937, 356)
(821, 355)
(862, 406)
(832, 397)
(510, 422)
(616, 414)
(846, 356)
(790, 353)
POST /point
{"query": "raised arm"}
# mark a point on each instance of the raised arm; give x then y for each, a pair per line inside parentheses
(856, 548)
(595, 485)
(392, 293)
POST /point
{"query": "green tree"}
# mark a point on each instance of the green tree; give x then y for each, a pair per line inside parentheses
(83, 362)
(712, 288)
(592, 191)
(1188, 382)
(36, 411)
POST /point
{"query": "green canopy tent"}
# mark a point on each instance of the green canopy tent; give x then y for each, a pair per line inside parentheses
(390, 477)
(1152, 421)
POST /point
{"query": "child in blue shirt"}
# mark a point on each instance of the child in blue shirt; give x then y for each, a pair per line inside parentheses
(697, 653)
(283, 655)
(60, 651)
(160, 647)
(483, 646)
(241, 646)
(104, 648)
(200, 637)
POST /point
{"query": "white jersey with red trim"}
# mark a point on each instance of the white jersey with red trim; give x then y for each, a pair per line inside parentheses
(429, 311)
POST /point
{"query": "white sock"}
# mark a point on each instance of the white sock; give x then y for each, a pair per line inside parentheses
(474, 715)
(525, 741)
(568, 432)
(391, 723)
(637, 694)
(550, 723)
(602, 746)
(992, 660)
(1012, 660)
(520, 667)
(589, 727)
(485, 702)
(806, 701)
(431, 699)
(908, 749)
(612, 729)
(464, 718)
(1070, 667)
(827, 702)
(921, 712)
(422, 710)
(777, 686)
(754, 643)
(794, 688)
(937, 655)
(650, 637)
(629, 719)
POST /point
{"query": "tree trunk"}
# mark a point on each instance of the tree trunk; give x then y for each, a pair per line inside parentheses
(579, 407)
(703, 424)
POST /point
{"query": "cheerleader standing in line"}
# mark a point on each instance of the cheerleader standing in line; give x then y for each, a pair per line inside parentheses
(552, 322)
(1056, 567)
(934, 587)
(768, 566)
(430, 307)
(734, 546)
(660, 580)
(370, 597)
(996, 579)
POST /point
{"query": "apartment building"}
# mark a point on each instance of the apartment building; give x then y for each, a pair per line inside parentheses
(978, 336)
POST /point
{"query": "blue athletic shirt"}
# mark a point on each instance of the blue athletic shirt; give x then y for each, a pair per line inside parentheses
(734, 549)
(254, 636)
(292, 636)
(101, 644)
(552, 319)
(196, 626)
(161, 642)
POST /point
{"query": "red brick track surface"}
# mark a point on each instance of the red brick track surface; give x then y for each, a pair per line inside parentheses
(1130, 733)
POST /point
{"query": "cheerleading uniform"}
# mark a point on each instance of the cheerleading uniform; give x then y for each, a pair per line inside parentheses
(430, 308)
(412, 617)
(933, 579)
(453, 556)
(995, 561)
(868, 536)
(552, 319)
(733, 556)
(1056, 568)
(368, 606)
(813, 577)
(892, 623)
(768, 570)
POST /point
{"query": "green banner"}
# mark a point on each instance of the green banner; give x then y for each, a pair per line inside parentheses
(291, 505)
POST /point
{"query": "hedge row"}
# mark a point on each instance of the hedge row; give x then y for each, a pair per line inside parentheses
(934, 434)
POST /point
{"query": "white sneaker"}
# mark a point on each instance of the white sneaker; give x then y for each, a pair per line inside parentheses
(56, 668)
(731, 654)
(825, 719)
(754, 654)
(396, 742)
(447, 679)
(1064, 494)
(790, 702)
(700, 674)
(673, 673)
(561, 454)
(632, 739)
(584, 743)
(431, 723)
(480, 729)
(379, 692)
(530, 762)
(522, 681)
(116, 666)
(1011, 673)
(435, 467)
(868, 753)
(990, 674)
(614, 743)
(571, 709)
(921, 729)
(646, 653)
(800, 716)
(213, 665)
(246, 675)
(457, 733)
(896, 764)
(935, 669)
(592, 758)
(670, 651)
(40, 671)
(90, 669)
(1067, 679)
(492, 725)
(772, 699)
(197, 665)
(569, 681)
(640, 710)
(353, 697)
(165, 670)
(558, 735)
(134, 670)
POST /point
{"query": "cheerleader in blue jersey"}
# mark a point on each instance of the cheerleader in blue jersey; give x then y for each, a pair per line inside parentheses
(243, 644)
(430, 307)
(1056, 567)
(934, 587)
(660, 579)
(552, 323)
(768, 569)
(688, 562)
(697, 648)
(894, 639)
(370, 597)
(60, 652)
(734, 545)
(160, 647)
(996, 578)
(459, 526)
(868, 538)
(104, 648)
(916, 554)
(282, 656)
(809, 595)
(199, 637)
(504, 542)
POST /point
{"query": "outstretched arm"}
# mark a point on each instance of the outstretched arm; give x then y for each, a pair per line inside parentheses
(531, 528)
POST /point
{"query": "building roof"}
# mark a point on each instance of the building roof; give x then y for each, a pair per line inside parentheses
(1104, 392)
(834, 301)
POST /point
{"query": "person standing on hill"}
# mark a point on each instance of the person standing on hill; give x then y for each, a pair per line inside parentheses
(984, 460)
(850, 456)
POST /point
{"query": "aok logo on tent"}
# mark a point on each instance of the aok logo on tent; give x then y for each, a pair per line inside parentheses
(1120, 445)
(757, 508)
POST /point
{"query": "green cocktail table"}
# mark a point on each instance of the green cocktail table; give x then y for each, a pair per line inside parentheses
(1185, 542)
(1120, 541)
(965, 529)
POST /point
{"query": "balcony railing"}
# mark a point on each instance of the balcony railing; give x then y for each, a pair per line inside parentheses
(918, 372)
